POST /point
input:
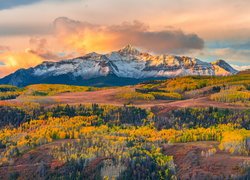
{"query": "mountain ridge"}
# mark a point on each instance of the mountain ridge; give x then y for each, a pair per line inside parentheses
(126, 64)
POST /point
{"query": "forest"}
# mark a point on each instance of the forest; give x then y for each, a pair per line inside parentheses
(231, 89)
(124, 138)
(12, 92)
(126, 141)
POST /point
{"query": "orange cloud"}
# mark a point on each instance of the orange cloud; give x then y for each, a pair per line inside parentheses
(83, 37)
(89, 40)
(87, 37)
(12, 61)
(4, 48)
(40, 47)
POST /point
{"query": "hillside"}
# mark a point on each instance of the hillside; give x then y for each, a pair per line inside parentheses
(245, 72)
(231, 90)
(107, 141)
(124, 90)
(185, 127)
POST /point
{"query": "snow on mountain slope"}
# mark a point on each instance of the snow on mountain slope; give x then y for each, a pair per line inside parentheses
(125, 63)
(222, 68)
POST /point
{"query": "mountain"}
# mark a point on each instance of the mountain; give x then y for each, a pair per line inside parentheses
(247, 71)
(222, 68)
(122, 67)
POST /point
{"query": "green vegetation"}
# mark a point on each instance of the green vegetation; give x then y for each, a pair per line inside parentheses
(184, 84)
(14, 116)
(9, 92)
(137, 95)
(167, 96)
(234, 94)
(229, 89)
(12, 92)
(202, 117)
(231, 96)
(128, 147)
(6, 88)
(126, 139)
(53, 89)
(111, 142)
(132, 96)
(9, 95)
(113, 115)
(99, 141)
(128, 115)
(130, 158)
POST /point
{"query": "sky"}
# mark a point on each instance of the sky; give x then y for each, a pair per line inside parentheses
(32, 31)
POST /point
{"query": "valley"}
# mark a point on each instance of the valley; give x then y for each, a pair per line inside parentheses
(188, 159)
(186, 127)
(124, 90)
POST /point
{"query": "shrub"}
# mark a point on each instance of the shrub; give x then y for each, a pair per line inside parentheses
(135, 96)
(53, 89)
(5, 88)
(9, 95)
(230, 96)
(166, 96)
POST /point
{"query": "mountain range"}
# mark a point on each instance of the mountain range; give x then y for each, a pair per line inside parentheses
(123, 67)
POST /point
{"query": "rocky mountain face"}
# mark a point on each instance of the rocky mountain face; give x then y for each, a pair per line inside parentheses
(123, 67)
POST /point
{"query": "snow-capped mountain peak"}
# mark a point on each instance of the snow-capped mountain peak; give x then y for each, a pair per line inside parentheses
(223, 68)
(120, 67)
(129, 50)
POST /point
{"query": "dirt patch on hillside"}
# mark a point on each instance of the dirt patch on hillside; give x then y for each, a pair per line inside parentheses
(162, 109)
(38, 163)
(109, 96)
(188, 157)
(106, 96)
(34, 164)
(203, 102)
(192, 164)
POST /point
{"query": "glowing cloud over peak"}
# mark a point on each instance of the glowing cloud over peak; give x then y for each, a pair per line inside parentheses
(86, 37)
(16, 60)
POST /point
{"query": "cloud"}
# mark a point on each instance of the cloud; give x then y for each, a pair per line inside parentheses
(244, 46)
(24, 29)
(85, 37)
(4, 48)
(240, 68)
(233, 55)
(7, 4)
(39, 46)
(239, 57)
(37, 52)
(12, 61)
